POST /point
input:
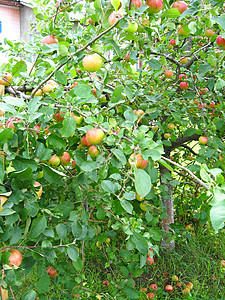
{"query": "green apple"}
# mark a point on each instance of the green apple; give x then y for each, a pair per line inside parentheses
(132, 27)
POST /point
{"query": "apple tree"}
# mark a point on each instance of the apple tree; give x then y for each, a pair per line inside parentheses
(112, 122)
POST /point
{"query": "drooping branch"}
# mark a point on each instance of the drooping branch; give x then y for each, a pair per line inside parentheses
(180, 141)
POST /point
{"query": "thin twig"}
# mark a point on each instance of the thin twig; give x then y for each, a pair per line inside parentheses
(109, 212)
(12, 293)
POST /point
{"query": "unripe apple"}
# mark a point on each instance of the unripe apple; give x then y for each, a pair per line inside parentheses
(54, 161)
(203, 140)
(185, 291)
(114, 17)
(78, 119)
(139, 113)
(154, 287)
(49, 39)
(116, 4)
(38, 93)
(155, 127)
(91, 22)
(15, 258)
(179, 284)
(172, 42)
(209, 33)
(175, 278)
(8, 78)
(184, 85)
(182, 32)
(95, 136)
(167, 136)
(93, 151)
(169, 288)
(150, 295)
(65, 158)
(38, 188)
(132, 27)
(171, 126)
(168, 74)
(220, 41)
(138, 161)
(84, 142)
(107, 240)
(183, 60)
(180, 5)
(136, 3)
(154, 5)
(92, 62)
(51, 272)
(182, 76)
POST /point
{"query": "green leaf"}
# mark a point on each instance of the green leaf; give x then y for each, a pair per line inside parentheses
(140, 242)
(2, 170)
(43, 153)
(73, 253)
(14, 101)
(5, 135)
(166, 165)
(217, 215)
(61, 231)
(142, 182)
(127, 206)
(154, 64)
(82, 90)
(61, 77)
(131, 292)
(69, 126)
(21, 163)
(130, 116)
(24, 174)
(76, 229)
(31, 295)
(219, 84)
(38, 226)
(33, 105)
(204, 175)
(20, 66)
(171, 13)
(78, 264)
(88, 166)
(108, 186)
(220, 21)
(43, 284)
(52, 175)
(120, 155)
(56, 141)
(7, 211)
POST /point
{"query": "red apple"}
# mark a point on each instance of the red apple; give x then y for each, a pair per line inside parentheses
(38, 188)
(138, 161)
(182, 76)
(154, 287)
(154, 5)
(168, 74)
(220, 41)
(172, 42)
(212, 104)
(167, 136)
(139, 113)
(93, 151)
(54, 161)
(91, 22)
(74, 84)
(184, 85)
(150, 261)
(15, 258)
(209, 33)
(114, 17)
(11, 121)
(182, 32)
(136, 3)
(186, 291)
(95, 136)
(127, 56)
(171, 126)
(6, 79)
(73, 163)
(92, 62)
(179, 284)
(190, 285)
(59, 117)
(84, 142)
(155, 127)
(169, 288)
(180, 5)
(105, 283)
(49, 39)
(150, 295)
(203, 140)
(65, 158)
(51, 272)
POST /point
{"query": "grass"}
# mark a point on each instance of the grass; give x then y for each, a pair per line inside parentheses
(195, 260)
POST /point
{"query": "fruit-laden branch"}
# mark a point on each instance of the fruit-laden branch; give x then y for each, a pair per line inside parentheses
(187, 170)
(74, 54)
(180, 141)
(168, 58)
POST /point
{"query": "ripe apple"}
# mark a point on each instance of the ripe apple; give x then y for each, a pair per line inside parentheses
(150, 295)
(209, 33)
(154, 5)
(65, 158)
(93, 151)
(185, 291)
(132, 27)
(49, 39)
(138, 161)
(11, 121)
(107, 240)
(15, 258)
(2, 201)
(150, 260)
(189, 285)
(175, 278)
(105, 283)
(167, 136)
(182, 76)
(6, 79)
(95, 136)
(169, 288)
(114, 17)
(92, 62)
(203, 140)
(171, 126)
(212, 104)
(127, 56)
(168, 74)
(84, 142)
(179, 284)
(73, 163)
(154, 287)
(51, 272)
(139, 113)
(54, 161)
(172, 42)
(180, 5)
(182, 32)
(184, 85)
(220, 41)
(38, 188)
(74, 84)
(91, 22)
(136, 3)
(59, 117)
(183, 60)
